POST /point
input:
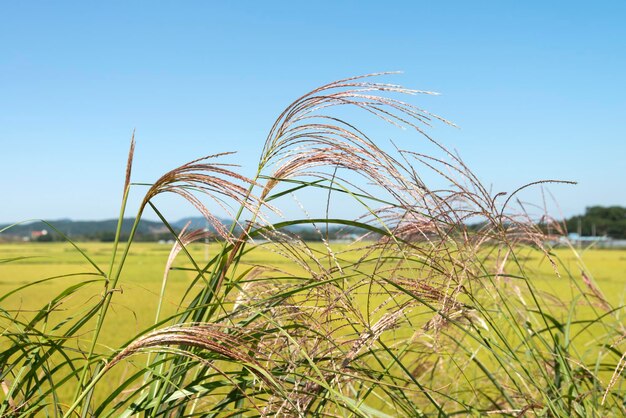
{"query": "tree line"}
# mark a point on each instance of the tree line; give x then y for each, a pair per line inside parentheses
(607, 221)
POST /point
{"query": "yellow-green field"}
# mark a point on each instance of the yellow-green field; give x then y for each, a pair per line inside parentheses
(134, 306)
(135, 302)
(142, 277)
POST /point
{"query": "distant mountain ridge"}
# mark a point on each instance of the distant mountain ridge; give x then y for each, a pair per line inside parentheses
(147, 230)
(196, 222)
(99, 230)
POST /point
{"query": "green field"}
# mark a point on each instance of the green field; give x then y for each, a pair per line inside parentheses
(135, 303)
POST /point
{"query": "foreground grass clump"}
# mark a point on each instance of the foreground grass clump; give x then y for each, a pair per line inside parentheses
(421, 316)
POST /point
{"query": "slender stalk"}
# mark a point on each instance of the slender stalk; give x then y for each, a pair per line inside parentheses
(118, 231)
(109, 289)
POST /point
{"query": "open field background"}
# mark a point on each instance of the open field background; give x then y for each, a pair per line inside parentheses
(143, 274)
(134, 307)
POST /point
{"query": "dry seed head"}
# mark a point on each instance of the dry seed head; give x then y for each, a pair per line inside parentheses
(129, 162)
(184, 238)
(305, 121)
(214, 180)
(370, 336)
(230, 343)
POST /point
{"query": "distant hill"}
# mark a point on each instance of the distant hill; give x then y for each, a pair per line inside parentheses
(95, 230)
(146, 231)
(80, 228)
(196, 222)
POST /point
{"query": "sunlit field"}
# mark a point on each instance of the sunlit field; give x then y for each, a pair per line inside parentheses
(139, 290)
(135, 306)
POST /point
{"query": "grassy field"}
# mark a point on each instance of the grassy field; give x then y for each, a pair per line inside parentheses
(135, 304)
(54, 267)
(134, 307)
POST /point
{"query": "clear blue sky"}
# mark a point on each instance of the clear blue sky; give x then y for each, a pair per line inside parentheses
(537, 88)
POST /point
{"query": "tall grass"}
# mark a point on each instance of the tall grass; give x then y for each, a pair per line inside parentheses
(421, 316)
